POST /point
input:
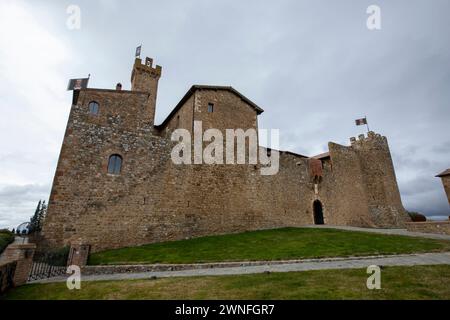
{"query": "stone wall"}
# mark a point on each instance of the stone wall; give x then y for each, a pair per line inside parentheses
(446, 183)
(439, 227)
(342, 191)
(385, 206)
(15, 265)
(152, 199)
(183, 118)
(359, 187)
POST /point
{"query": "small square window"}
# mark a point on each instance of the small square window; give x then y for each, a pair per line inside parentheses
(210, 107)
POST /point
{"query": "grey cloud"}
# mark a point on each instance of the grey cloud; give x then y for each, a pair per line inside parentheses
(17, 202)
(443, 148)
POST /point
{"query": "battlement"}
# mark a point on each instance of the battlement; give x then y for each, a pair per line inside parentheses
(370, 139)
(145, 78)
(146, 67)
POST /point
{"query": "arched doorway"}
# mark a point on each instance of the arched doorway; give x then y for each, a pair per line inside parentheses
(318, 212)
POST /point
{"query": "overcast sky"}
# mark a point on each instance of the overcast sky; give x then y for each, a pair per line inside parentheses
(312, 65)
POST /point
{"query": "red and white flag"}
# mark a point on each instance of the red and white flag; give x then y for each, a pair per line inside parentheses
(361, 122)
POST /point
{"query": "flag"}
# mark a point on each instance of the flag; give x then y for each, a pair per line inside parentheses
(138, 51)
(78, 84)
(361, 122)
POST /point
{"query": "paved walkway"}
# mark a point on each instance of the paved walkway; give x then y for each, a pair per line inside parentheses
(400, 232)
(320, 264)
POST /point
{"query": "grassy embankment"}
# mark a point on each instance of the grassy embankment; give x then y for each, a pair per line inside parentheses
(279, 244)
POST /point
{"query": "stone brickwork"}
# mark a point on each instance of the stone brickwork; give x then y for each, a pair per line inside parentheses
(439, 227)
(359, 187)
(154, 200)
(446, 183)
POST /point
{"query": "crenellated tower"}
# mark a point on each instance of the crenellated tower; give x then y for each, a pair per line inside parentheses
(145, 78)
(383, 196)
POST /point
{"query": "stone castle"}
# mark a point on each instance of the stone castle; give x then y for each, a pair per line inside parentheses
(116, 185)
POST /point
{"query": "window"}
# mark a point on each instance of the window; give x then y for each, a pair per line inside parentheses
(115, 164)
(93, 107)
(210, 107)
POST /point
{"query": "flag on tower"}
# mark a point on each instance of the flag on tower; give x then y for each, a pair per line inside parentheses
(361, 122)
(138, 51)
(78, 84)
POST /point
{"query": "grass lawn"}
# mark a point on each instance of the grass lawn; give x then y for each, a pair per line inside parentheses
(419, 282)
(279, 244)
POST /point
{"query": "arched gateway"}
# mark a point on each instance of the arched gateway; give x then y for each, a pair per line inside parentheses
(318, 212)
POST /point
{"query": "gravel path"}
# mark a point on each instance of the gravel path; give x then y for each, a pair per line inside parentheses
(325, 264)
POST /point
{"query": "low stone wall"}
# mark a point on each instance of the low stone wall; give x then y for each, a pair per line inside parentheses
(142, 268)
(437, 227)
(15, 265)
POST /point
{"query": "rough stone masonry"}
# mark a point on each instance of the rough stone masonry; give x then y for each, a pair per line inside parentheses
(115, 184)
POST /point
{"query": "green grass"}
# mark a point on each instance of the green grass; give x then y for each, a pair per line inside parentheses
(279, 244)
(419, 282)
(6, 237)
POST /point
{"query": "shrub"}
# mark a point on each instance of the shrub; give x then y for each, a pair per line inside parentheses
(55, 257)
(417, 217)
(6, 237)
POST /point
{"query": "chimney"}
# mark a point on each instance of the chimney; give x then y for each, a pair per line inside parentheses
(119, 86)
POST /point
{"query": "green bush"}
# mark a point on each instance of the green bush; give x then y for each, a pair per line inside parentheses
(417, 217)
(56, 257)
(6, 237)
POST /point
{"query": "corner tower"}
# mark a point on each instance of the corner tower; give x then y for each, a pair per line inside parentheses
(145, 78)
(383, 195)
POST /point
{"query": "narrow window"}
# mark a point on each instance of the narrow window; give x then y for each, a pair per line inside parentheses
(210, 107)
(93, 107)
(115, 164)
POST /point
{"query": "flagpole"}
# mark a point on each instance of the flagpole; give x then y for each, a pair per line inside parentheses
(367, 124)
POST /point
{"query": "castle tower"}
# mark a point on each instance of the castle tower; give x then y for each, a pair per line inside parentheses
(383, 196)
(145, 78)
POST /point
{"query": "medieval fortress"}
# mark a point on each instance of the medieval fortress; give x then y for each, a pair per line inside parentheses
(116, 184)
